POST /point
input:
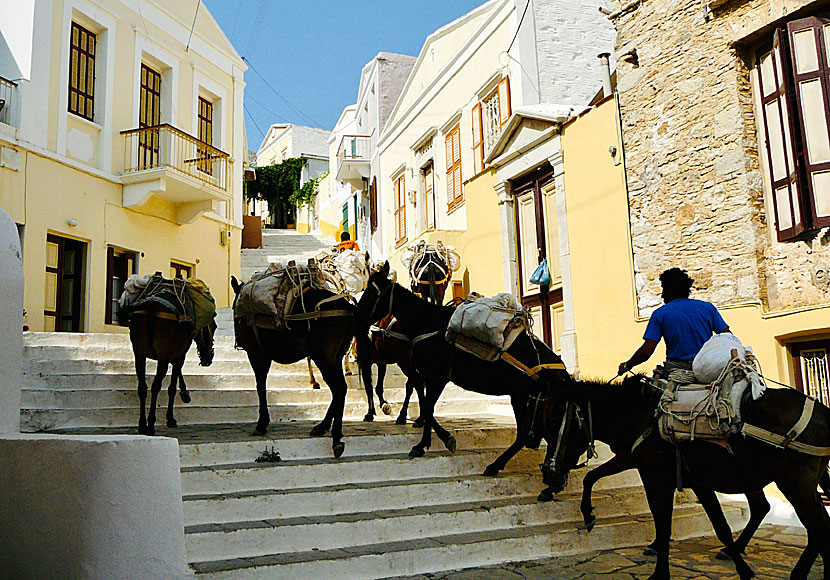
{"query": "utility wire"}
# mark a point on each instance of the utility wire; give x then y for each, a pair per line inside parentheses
(192, 26)
(519, 27)
(249, 96)
(251, 117)
(283, 99)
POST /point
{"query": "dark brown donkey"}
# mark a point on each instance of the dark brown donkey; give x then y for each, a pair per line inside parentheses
(164, 336)
(438, 362)
(324, 339)
(622, 413)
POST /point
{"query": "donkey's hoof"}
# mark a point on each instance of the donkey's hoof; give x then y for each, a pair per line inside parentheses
(545, 495)
(722, 555)
(451, 444)
(318, 431)
(401, 420)
(338, 449)
(418, 423)
(315, 385)
(142, 430)
(649, 551)
(260, 431)
(184, 396)
(491, 471)
(369, 417)
(172, 423)
(386, 408)
(590, 522)
(416, 452)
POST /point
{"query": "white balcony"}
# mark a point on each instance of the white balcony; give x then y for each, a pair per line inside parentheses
(8, 101)
(165, 162)
(354, 160)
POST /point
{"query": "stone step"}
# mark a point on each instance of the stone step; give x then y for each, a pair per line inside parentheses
(342, 531)
(40, 419)
(436, 553)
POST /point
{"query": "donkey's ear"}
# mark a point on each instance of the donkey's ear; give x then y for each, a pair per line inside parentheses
(384, 271)
(235, 285)
(367, 257)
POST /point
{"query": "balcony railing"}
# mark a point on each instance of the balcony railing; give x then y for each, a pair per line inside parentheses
(354, 148)
(164, 146)
(8, 92)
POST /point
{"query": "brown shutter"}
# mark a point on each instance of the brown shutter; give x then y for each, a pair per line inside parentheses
(373, 204)
(110, 274)
(450, 181)
(776, 104)
(478, 141)
(456, 148)
(504, 102)
(808, 47)
(429, 195)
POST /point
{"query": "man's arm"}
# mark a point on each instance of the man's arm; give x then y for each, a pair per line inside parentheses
(640, 356)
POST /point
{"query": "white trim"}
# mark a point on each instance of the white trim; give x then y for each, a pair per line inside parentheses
(105, 25)
(489, 85)
(397, 173)
(169, 78)
(427, 136)
(451, 123)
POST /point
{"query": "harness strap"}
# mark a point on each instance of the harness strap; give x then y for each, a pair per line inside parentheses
(162, 314)
(641, 438)
(421, 337)
(393, 334)
(532, 372)
(788, 441)
(803, 421)
(317, 314)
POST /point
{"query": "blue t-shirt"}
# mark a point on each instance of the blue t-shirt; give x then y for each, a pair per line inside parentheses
(685, 324)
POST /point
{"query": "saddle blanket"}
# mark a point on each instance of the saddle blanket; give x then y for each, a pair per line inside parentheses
(486, 327)
(268, 296)
(190, 298)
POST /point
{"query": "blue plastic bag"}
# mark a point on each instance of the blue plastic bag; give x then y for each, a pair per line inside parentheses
(541, 275)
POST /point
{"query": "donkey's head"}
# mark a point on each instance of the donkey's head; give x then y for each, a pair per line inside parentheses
(375, 302)
(567, 434)
(204, 343)
(430, 276)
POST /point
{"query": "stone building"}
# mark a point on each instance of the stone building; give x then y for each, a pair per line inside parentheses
(725, 125)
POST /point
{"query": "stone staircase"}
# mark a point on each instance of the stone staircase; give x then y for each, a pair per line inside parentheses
(374, 513)
(283, 246)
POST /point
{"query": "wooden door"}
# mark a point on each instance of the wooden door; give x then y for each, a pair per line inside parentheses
(64, 286)
(545, 305)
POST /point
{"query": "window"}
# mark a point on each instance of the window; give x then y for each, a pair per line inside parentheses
(181, 270)
(811, 369)
(82, 72)
(429, 197)
(399, 190)
(205, 118)
(489, 119)
(120, 265)
(373, 204)
(453, 148)
(149, 115)
(792, 91)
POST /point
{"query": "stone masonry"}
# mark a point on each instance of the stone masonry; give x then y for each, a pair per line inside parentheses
(696, 189)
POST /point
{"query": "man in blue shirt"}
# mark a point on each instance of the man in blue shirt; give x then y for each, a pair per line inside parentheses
(685, 324)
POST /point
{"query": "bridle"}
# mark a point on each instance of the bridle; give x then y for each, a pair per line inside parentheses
(553, 461)
(379, 297)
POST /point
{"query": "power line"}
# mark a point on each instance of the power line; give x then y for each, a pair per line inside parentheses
(519, 27)
(283, 99)
(236, 18)
(192, 26)
(266, 109)
(251, 117)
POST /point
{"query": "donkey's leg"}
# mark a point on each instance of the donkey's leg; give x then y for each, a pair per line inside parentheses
(367, 386)
(420, 390)
(261, 364)
(659, 489)
(433, 391)
(155, 389)
(333, 375)
(410, 386)
(141, 371)
(184, 394)
(714, 512)
(519, 413)
(171, 390)
(384, 404)
(311, 380)
(813, 515)
(613, 466)
(758, 509)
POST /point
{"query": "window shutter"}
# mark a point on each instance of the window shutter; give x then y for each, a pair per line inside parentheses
(108, 315)
(809, 40)
(776, 103)
(429, 191)
(478, 141)
(504, 101)
(456, 149)
(373, 204)
(402, 203)
(450, 181)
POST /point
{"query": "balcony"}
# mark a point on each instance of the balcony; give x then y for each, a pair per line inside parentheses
(354, 158)
(8, 92)
(165, 162)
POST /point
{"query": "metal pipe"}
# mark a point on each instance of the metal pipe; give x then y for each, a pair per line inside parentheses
(606, 74)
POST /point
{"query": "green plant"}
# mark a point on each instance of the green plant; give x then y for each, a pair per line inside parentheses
(305, 196)
(269, 456)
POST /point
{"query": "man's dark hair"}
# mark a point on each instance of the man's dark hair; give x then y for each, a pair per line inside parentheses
(676, 283)
(345, 237)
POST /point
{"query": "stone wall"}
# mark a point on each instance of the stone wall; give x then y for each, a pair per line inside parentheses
(696, 190)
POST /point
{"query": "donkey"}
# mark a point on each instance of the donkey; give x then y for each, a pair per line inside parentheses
(325, 340)
(438, 362)
(429, 276)
(156, 334)
(623, 415)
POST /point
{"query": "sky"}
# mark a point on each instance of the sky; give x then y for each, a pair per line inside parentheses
(311, 52)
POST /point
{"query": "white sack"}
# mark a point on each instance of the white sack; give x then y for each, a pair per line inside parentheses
(352, 268)
(715, 355)
(495, 321)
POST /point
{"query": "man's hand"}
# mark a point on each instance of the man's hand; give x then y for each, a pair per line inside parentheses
(623, 368)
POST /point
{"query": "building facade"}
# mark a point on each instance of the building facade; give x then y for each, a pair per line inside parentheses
(725, 123)
(121, 149)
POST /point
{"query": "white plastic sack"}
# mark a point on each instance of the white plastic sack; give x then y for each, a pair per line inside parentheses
(715, 355)
(495, 321)
(352, 268)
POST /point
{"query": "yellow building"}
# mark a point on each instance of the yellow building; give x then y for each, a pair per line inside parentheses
(122, 142)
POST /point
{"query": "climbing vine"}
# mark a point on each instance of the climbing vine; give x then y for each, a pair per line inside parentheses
(305, 196)
(279, 185)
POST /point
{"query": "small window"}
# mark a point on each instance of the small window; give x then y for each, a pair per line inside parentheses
(429, 197)
(399, 191)
(452, 142)
(373, 204)
(120, 265)
(205, 118)
(489, 119)
(82, 72)
(812, 372)
(181, 270)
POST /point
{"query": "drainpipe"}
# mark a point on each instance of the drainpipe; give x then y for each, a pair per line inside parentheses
(606, 73)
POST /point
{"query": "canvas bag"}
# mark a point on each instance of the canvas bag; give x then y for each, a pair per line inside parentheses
(486, 327)
(715, 354)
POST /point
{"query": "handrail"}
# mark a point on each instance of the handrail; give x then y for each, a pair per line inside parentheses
(181, 133)
(360, 148)
(8, 91)
(5, 80)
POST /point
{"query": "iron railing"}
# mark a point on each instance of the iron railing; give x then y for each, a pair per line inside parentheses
(354, 148)
(8, 92)
(166, 146)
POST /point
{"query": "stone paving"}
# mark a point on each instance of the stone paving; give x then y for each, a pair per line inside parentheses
(772, 554)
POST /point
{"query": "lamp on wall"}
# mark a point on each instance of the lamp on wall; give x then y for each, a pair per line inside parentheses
(72, 222)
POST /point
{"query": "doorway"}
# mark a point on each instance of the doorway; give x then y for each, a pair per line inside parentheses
(64, 289)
